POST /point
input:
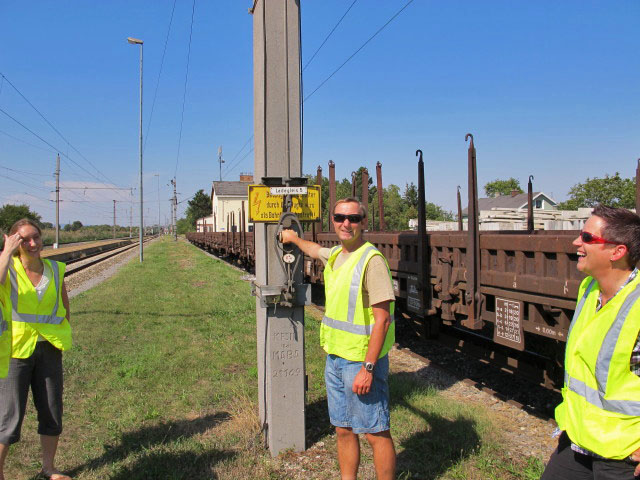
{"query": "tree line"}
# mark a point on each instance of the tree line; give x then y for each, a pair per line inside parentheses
(611, 190)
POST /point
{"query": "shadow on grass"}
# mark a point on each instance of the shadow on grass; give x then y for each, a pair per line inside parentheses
(317, 421)
(174, 466)
(427, 453)
(153, 464)
(430, 453)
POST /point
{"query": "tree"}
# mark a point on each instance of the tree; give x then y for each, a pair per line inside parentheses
(612, 191)
(199, 206)
(436, 212)
(411, 195)
(75, 226)
(183, 226)
(10, 214)
(502, 187)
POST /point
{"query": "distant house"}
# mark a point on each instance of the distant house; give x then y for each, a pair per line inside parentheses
(205, 224)
(516, 202)
(227, 201)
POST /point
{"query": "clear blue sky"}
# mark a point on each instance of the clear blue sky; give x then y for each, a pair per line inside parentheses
(548, 89)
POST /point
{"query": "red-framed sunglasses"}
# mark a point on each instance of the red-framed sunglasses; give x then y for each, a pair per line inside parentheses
(587, 237)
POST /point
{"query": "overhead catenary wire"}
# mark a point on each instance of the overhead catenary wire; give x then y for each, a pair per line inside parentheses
(28, 143)
(62, 154)
(329, 35)
(30, 185)
(25, 172)
(358, 50)
(184, 94)
(231, 164)
(53, 127)
(229, 170)
(231, 167)
(153, 104)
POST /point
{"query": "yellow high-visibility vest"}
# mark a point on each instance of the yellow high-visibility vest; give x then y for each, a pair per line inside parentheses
(5, 337)
(30, 317)
(347, 324)
(601, 395)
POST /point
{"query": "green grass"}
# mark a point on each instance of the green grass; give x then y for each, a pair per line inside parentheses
(162, 384)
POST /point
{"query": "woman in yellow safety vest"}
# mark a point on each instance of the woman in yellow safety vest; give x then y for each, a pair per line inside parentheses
(40, 331)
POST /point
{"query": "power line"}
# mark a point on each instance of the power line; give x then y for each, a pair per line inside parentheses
(50, 145)
(238, 163)
(229, 168)
(24, 172)
(327, 37)
(166, 41)
(54, 128)
(28, 143)
(358, 50)
(30, 185)
(184, 93)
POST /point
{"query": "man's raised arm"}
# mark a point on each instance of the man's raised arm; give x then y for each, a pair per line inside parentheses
(310, 249)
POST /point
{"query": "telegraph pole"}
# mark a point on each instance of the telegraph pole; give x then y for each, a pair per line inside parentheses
(174, 209)
(170, 220)
(280, 331)
(114, 219)
(220, 160)
(57, 202)
(158, 175)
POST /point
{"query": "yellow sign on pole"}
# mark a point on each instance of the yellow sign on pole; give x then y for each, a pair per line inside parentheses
(265, 203)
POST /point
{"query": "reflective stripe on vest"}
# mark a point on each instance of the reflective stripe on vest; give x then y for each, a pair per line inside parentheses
(603, 364)
(354, 290)
(51, 318)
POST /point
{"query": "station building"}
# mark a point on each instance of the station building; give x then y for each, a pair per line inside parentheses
(228, 199)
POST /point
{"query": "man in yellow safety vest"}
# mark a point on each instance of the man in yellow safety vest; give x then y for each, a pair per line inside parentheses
(599, 417)
(357, 333)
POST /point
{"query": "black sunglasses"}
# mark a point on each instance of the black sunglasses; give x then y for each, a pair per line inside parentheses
(339, 217)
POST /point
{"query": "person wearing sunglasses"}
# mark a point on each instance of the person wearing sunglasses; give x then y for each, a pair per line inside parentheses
(599, 417)
(357, 333)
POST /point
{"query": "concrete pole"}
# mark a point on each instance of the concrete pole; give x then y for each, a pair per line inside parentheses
(174, 212)
(277, 153)
(158, 175)
(57, 202)
(114, 219)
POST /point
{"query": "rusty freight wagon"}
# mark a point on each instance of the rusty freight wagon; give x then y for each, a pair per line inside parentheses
(507, 295)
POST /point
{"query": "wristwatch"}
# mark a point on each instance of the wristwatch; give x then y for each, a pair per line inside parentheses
(368, 366)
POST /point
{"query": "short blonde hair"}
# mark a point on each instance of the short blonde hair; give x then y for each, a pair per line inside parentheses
(361, 207)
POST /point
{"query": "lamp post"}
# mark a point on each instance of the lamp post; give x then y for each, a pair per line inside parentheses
(135, 41)
(158, 175)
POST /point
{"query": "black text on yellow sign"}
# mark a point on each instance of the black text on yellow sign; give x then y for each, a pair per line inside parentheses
(266, 206)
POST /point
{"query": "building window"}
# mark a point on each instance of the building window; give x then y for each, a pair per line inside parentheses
(538, 203)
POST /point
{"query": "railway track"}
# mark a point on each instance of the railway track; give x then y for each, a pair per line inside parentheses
(79, 264)
(83, 255)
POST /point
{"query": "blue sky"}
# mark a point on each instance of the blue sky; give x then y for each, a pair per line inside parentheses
(548, 89)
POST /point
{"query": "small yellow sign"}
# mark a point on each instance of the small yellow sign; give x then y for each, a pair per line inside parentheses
(265, 203)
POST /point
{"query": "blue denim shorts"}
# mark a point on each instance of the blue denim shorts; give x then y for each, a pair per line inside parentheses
(362, 413)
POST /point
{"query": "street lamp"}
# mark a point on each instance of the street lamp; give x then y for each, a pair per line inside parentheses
(158, 175)
(135, 41)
